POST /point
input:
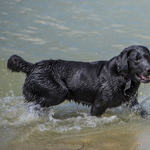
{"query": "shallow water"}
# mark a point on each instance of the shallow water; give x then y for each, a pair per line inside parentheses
(72, 30)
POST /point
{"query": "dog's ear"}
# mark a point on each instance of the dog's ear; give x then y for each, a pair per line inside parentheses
(122, 61)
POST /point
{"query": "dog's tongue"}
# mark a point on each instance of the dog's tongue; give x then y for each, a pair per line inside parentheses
(145, 77)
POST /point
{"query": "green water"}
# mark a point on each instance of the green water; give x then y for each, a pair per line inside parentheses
(71, 30)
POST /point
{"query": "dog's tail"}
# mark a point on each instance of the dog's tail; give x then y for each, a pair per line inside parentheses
(16, 64)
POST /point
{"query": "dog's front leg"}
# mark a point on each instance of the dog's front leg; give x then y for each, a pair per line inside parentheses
(137, 108)
(97, 109)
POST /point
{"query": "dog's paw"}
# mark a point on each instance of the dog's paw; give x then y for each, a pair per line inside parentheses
(144, 113)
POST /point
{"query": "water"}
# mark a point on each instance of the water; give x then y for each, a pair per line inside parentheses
(71, 30)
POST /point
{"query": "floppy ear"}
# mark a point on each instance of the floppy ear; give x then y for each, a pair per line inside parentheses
(122, 61)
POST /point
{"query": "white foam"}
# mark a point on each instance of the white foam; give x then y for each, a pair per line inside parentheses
(61, 118)
(70, 116)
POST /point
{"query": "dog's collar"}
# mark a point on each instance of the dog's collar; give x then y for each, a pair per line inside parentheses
(128, 81)
(128, 84)
(125, 75)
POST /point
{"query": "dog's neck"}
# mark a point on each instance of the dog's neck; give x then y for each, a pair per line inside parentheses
(130, 84)
(128, 80)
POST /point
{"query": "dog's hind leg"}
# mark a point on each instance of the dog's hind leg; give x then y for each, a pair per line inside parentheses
(47, 100)
(44, 98)
(44, 94)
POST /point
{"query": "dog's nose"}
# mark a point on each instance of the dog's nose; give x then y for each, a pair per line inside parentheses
(148, 69)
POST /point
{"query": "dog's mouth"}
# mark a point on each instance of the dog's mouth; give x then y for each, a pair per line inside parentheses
(143, 78)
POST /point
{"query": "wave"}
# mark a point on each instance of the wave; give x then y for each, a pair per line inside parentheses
(64, 117)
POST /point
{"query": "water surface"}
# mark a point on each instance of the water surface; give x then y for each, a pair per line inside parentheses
(71, 30)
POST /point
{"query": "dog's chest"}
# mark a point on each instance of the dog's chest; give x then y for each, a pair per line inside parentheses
(121, 92)
(131, 90)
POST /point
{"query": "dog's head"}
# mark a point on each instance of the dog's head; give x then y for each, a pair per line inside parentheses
(135, 62)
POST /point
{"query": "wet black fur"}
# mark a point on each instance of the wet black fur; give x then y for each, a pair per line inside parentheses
(101, 84)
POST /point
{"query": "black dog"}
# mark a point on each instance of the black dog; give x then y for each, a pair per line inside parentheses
(102, 84)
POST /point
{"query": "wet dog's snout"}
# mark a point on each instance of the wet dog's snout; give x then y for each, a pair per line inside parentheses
(147, 69)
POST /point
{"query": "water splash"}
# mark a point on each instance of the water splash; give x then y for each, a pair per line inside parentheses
(65, 117)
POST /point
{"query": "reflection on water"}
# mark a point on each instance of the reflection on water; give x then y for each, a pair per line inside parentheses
(72, 30)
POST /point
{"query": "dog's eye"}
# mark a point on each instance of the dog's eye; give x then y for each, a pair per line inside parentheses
(146, 57)
(136, 59)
